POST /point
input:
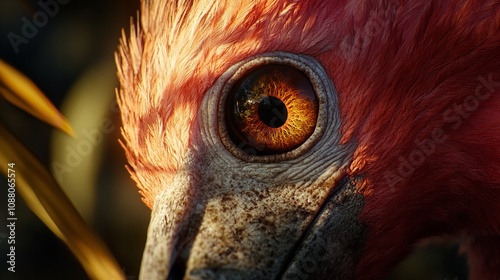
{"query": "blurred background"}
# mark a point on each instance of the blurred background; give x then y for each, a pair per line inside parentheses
(69, 53)
(70, 56)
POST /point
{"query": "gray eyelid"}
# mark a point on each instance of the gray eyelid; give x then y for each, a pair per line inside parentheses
(328, 114)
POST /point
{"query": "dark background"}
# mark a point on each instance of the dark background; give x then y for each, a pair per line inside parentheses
(75, 46)
(81, 37)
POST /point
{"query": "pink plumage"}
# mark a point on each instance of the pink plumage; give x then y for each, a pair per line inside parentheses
(419, 91)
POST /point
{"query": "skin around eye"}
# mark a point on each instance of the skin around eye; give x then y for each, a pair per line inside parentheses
(272, 109)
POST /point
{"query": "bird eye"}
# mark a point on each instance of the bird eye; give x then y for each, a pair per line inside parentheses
(270, 110)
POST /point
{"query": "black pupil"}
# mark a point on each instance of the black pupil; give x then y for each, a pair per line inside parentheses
(272, 111)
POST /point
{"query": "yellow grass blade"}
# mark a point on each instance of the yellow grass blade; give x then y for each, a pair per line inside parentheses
(46, 199)
(22, 92)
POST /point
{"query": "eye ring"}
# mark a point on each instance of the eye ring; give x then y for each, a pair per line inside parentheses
(320, 84)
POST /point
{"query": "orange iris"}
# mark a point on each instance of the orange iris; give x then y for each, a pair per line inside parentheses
(271, 110)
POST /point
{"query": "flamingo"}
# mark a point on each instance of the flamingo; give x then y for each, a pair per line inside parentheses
(313, 139)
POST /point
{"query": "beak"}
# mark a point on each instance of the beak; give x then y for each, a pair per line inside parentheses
(219, 237)
(332, 245)
(168, 225)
